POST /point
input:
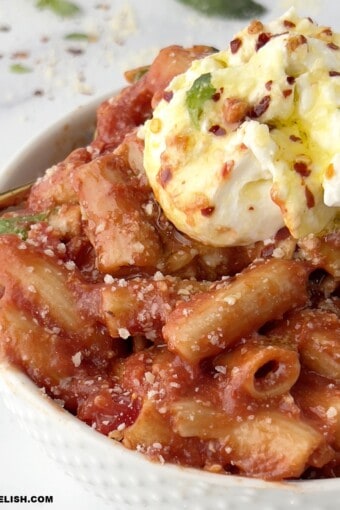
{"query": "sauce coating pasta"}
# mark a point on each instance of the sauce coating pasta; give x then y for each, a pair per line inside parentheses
(220, 358)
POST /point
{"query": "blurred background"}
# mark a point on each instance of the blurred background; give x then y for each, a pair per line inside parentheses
(56, 55)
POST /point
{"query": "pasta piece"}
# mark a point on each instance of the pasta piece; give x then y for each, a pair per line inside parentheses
(149, 428)
(274, 446)
(44, 284)
(55, 187)
(38, 350)
(115, 221)
(192, 417)
(131, 150)
(66, 221)
(54, 293)
(323, 252)
(215, 319)
(262, 371)
(141, 306)
(319, 342)
(267, 444)
(319, 400)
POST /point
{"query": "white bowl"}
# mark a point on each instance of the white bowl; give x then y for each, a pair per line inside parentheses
(105, 467)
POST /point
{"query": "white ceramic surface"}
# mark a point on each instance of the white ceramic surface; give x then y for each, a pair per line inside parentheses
(67, 81)
(128, 480)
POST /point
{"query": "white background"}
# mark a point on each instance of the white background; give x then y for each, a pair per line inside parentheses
(125, 34)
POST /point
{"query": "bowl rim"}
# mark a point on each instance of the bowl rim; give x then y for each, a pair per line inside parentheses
(15, 382)
(78, 117)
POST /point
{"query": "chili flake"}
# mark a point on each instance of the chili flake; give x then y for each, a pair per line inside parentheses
(217, 130)
(260, 108)
(262, 39)
(309, 198)
(302, 168)
(235, 45)
(207, 211)
(168, 95)
(164, 176)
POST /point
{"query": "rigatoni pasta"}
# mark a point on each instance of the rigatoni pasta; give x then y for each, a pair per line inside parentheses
(222, 358)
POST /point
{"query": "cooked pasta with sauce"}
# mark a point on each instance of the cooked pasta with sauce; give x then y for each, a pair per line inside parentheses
(175, 284)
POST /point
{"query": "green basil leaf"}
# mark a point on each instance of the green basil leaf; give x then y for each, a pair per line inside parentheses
(200, 92)
(242, 9)
(20, 69)
(19, 224)
(60, 7)
(77, 36)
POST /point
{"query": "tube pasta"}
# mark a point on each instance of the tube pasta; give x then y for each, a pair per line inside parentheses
(196, 418)
(114, 218)
(41, 280)
(39, 351)
(262, 371)
(319, 399)
(320, 343)
(273, 444)
(216, 319)
(141, 306)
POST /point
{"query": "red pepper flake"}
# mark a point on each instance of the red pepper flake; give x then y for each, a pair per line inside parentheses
(227, 168)
(334, 73)
(330, 171)
(235, 45)
(287, 92)
(269, 84)
(103, 7)
(302, 168)
(19, 55)
(309, 198)
(333, 46)
(262, 39)
(282, 234)
(295, 138)
(75, 51)
(327, 31)
(267, 251)
(164, 176)
(168, 95)
(251, 208)
(38, 93)
(255, 27)
(288, 24)
(207, 211)
(215, 97)
(290, 80)
(217, 130)
(295, 41)
(260, 108)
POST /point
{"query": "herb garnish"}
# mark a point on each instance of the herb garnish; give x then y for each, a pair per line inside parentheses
(133, 75)
(78, 36)
(242, 9)
(19, 224)
(200, 91)
(20, 69)
(60, 7)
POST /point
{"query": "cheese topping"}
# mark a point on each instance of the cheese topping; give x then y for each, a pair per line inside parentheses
(248, 139)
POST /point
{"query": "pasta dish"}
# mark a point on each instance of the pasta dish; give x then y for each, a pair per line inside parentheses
(175, 283)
